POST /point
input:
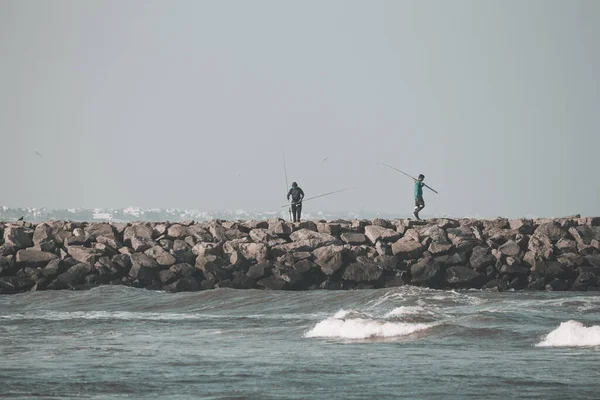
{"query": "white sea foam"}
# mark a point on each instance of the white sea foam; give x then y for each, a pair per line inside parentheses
(407, 310)
(339, 326)
(572, 334)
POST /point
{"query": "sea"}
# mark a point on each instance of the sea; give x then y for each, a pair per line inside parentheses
(400, 343)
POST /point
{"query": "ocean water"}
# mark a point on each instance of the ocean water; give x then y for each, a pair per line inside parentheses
(406, 342)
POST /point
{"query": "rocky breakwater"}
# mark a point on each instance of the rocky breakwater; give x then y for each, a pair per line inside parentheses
(500, 254)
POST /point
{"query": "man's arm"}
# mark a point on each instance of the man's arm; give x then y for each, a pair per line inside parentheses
(289, 194)
(301, 194)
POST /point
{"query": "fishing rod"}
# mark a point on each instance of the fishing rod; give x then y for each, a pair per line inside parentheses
(412, 177)
(321, 195)
(286, 183)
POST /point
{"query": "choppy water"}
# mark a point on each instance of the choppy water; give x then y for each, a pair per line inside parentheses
(401, 343)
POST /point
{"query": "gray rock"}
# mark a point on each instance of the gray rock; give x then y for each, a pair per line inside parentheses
(73, 276)
(202, 249)
(510, 248)
(427, 273)
(550, 230)
(161, 256)
(438, 248)
(375, 233)
(18, 236)
(332, 229)
(183, 285)
(566, 246)
(144, 268)
(541, 246)
(292, 278)
(464, 277)
(262, 235)
(305, 266)
(329, 258)
(259, 271)
(177, 231)
(84, 254)
(364, 270)
(524, 226)
(271, 283)
(321, 239)
(33, 258)
(354, 238)
(406, 249)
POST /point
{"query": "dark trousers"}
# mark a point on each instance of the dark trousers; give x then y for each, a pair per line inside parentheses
(296, 211)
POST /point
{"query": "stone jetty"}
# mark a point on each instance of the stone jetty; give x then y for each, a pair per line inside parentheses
(500, 254)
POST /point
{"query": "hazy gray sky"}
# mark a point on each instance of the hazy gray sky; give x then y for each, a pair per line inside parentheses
(189, 104)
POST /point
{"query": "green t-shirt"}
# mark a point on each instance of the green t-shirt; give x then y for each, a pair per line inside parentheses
(418, 189)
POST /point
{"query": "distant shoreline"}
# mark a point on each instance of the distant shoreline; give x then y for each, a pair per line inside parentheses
(499, 254)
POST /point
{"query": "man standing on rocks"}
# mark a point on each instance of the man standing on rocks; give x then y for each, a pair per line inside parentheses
(419, 202)
(297, 195)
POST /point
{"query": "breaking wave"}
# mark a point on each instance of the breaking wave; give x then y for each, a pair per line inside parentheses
(572, 334)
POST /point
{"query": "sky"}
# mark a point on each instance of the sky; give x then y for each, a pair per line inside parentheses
(194, 104)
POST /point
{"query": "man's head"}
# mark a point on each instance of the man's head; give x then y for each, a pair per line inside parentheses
(294, 184)
(421, 177)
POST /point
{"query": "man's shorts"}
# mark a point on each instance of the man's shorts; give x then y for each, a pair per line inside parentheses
(419, 202)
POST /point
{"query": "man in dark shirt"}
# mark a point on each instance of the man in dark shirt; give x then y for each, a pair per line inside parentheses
(419, 202)
(297, 196)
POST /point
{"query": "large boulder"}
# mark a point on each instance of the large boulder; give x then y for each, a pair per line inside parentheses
(464, 277)
(363, 270)
(18, 236)
(260, 270)
(427, 273)
(262, 235)
(332, 229)
(524, 226)
(161, 256)
(321, 239)
(212, 267)
(481, 258)
(292, 278)
(541, 246)
(551, 230)
(258, 252)
(43, 238)
(463, 238)
(510, 248)
(73, 276)
(139, 236)
(384, 234)
(329, 258)
(7, 266)
(144, 268)
(280, 227)
(15, 284)
(354, 238)
(271, 283)
(189, 284)
(585, 235)
(406, 249)
(33, 258)
(84, 255)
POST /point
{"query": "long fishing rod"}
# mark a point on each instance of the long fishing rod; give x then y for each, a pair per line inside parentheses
(286, 183)
(321, 195)
(412, 177)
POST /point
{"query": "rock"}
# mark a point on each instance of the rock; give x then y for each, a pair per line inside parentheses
(583, 235)
(73, 276)
(510, 248)
(330, 229)
(359, 225)
(427, 273)
(177, 231)
(448, 260)
(144, 268)
(541, 246)
(464, 277)
(17, 236)
(394, 281)
(550, 270)
(7, 266)
(593, 260)
(43, 238)
(167, 277)
(300, 245)
(262, 235)
(557, 285)
(84, 254)
(524, 226)
(183, 285)
(364, 270)
(33, 258)
(481, 258)
(96, 230)
(202, 249)
(161, 256)
(438, 248)
(570, 260)
(259, 271)
(240, 281)
(212, 266)
(271, 283)
(463, 238)
(292, 278)
(384, 223)
(354, 238)
(375, 233)
(584, 280)
(514, 270)
(280, 227)
(140, 230)
(8, 249)
(383, 249)
(14, 284)
(139, 244)
(122, 261)
(387, 262)
(258, 252)
(550, 230)
(498, 223)
(321, 239)
(329, 258)
(305, 266)
(406, 249)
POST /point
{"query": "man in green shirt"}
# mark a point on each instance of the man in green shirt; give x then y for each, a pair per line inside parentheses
(419, 202)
